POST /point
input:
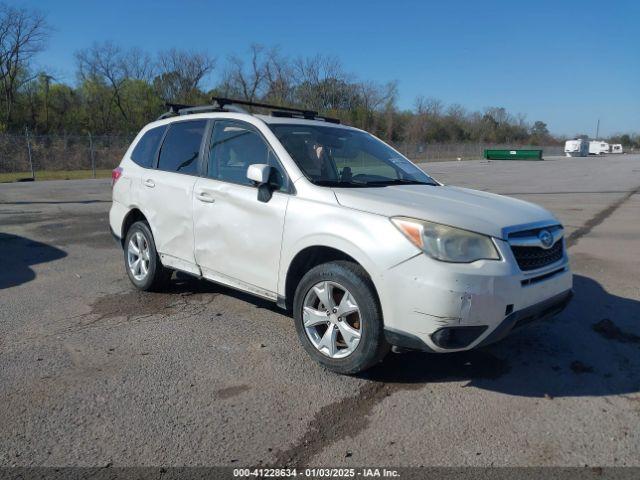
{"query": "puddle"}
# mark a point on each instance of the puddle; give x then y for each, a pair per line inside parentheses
(610, 331)
(182, 293)
(133, 304)
(578, 367)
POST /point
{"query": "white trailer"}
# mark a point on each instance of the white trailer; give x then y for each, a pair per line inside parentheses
(616, 148)
(598, 147)
(576, 148)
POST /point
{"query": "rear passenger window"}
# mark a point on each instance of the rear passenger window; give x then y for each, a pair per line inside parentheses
(235, 146)
(144, 153)
(181, 147)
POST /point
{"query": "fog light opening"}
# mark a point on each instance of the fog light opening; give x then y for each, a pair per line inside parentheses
(457, 337)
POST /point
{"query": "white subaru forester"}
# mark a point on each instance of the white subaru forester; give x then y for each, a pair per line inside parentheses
(328, 221)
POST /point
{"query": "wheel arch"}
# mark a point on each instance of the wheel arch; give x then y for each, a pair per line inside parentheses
(310, 256)
(134, 215)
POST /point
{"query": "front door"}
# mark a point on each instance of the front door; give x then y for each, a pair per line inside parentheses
(238, 237)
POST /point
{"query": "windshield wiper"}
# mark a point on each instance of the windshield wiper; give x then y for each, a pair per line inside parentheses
(370, 184)
(400, 181)
(339, 183)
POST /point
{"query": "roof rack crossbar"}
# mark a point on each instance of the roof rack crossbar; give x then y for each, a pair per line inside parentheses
(228, 101)
(281, 114)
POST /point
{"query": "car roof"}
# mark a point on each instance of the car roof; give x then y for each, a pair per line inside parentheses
(268, 119)
(299, 121)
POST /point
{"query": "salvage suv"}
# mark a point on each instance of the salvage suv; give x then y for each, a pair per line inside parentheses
(331, 223)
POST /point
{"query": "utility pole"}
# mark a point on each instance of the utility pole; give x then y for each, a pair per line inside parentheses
(598, 130)
(26, 134)
(47, 85)
(92, 156)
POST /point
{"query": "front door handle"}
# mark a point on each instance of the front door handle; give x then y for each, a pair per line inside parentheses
(149, 183)
(205, 197)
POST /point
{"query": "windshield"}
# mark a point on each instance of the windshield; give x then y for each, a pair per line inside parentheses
(341, 157)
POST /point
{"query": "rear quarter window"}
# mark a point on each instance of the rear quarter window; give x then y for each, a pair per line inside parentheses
(144, 153)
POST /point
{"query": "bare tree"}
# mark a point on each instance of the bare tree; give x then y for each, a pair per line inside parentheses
(431, 107)
(104, 63)
(323, 84)
(279, 78)
(374, 98)
(110, 65)
(181, 73)
(138, 65)
(23, 34)
(247, 80)
(372, 95)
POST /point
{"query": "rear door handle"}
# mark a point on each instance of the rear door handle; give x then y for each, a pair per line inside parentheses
(149, 183)
(205, 197)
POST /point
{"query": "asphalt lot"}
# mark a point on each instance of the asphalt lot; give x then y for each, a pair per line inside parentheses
(94, 373)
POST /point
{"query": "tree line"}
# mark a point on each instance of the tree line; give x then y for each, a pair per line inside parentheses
(118, 90)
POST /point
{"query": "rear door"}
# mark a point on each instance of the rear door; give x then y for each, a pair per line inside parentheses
(142, 161)
(238, 237)
(167, 193)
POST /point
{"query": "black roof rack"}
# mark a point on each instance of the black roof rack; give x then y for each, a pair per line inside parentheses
(276, 110)
(228, 101)
(221, 104)
(287, 114)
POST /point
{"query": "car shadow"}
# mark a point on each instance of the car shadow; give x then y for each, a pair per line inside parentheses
(591, 349)
(19, 254)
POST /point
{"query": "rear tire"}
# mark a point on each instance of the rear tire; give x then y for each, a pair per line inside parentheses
(346, 336)
(141, 259)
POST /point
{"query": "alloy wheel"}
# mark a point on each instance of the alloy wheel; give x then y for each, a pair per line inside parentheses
(138, 256)
(331, 319)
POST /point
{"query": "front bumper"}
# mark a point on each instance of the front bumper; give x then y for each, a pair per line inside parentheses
(540, 311)
(445, 307)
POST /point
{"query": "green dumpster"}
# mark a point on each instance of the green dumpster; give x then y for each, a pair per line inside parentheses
(490, 154)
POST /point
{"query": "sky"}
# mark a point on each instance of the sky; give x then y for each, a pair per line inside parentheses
(567, 63)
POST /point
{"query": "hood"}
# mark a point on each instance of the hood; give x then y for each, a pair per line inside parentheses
(464, 208)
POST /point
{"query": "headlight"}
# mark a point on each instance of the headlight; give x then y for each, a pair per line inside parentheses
(445, 243)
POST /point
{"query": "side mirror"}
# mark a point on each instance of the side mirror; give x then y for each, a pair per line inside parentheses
(259, 173)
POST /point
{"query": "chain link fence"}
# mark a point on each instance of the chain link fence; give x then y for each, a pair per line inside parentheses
(29, 156)
(43, 157)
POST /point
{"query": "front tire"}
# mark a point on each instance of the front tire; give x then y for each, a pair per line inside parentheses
(141, 259)
(338, 317)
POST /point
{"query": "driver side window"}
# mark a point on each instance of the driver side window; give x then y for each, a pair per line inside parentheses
(236, 145)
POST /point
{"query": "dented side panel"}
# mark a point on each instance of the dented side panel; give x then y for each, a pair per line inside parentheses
(167, 200)
(237, 236)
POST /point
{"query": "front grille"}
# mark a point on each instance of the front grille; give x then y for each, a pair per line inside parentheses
(531, 258)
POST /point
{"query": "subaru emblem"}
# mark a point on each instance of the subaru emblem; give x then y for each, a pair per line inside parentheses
(546, 239)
